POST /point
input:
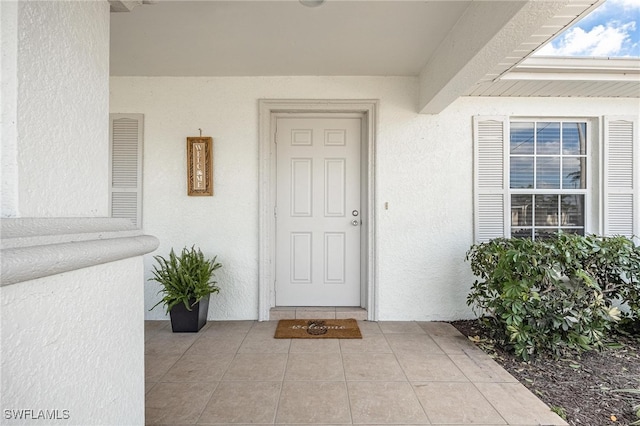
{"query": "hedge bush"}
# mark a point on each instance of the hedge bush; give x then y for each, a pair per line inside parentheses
(554, 295)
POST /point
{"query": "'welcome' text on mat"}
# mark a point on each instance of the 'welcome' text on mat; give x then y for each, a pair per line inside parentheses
(318, 329)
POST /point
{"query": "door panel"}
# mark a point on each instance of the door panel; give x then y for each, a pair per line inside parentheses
(301, 257)
(318, 189)
(334, 187)
(334, 257)
(301, 187)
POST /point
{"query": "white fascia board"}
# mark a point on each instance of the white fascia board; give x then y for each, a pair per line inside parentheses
(581, 64)
(576, 69)
(567, 76)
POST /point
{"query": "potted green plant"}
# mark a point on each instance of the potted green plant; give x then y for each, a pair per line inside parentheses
(187, 282)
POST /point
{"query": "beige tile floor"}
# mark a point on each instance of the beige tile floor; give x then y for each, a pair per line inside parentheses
(399, 373)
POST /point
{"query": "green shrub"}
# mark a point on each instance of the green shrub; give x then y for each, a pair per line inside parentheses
(613, 262)
(554, 295)
(185, 278)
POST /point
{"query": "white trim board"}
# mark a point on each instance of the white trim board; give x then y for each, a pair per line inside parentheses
(41, 247)
(268, 109)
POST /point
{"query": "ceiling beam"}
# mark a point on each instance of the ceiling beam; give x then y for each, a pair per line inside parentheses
(482, 38)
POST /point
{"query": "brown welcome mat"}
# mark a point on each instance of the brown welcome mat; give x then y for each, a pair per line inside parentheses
(318, 329)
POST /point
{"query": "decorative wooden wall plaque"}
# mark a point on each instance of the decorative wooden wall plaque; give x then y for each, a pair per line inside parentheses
(200, 165)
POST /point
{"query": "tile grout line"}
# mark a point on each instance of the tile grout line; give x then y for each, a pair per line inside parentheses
(471, 381)
(404, 373)
(497, 382)
(413, 389)
(284, 373)
(506, 422)
(207, 403)
(219, 381)
(160, 380)
(346, 383)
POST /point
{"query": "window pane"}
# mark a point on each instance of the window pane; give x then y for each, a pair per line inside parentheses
(574, 140)
(578, 231)
(521, 138)
(542, 233)
(572, 210)
(548, 141)
(521, 174)
(521, 232)
(574, 173)
(546, 213)
(521, 210)
(548, 173)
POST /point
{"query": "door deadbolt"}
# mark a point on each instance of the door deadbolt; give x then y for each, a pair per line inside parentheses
(355, 213)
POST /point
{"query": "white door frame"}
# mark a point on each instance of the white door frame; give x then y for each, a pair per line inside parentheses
(268, 109)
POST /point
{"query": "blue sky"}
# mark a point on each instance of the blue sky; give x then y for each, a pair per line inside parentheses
(612, 30)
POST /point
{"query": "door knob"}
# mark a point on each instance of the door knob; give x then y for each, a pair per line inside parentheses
(355, 222)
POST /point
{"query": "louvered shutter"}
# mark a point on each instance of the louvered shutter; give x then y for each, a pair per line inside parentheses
(490, 203)
(621, 177)
(126, 167)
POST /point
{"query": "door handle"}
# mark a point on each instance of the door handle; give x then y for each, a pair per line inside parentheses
(355, 222)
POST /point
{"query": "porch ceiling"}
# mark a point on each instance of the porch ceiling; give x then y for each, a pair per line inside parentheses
(451, 45)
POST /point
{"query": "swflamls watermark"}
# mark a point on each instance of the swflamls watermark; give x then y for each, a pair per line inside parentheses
(31, 414)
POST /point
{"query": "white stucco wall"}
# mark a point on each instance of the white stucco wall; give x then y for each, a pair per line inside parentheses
(62, 99)
(424, 169)
(8, 109)
(72, 341)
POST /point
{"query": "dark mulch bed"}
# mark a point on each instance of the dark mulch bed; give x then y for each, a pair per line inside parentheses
(582, 386)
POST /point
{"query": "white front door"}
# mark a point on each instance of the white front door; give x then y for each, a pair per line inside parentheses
(318, 212)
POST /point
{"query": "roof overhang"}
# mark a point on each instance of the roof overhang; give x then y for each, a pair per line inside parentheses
(474, 55)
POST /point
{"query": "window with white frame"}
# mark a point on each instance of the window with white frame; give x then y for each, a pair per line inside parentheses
(535, 177)
(548, 170)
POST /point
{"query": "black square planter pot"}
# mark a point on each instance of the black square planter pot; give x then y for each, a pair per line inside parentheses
(185, 321)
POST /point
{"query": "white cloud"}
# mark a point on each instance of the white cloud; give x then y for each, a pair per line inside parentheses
(625, 3)
(602, 40)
